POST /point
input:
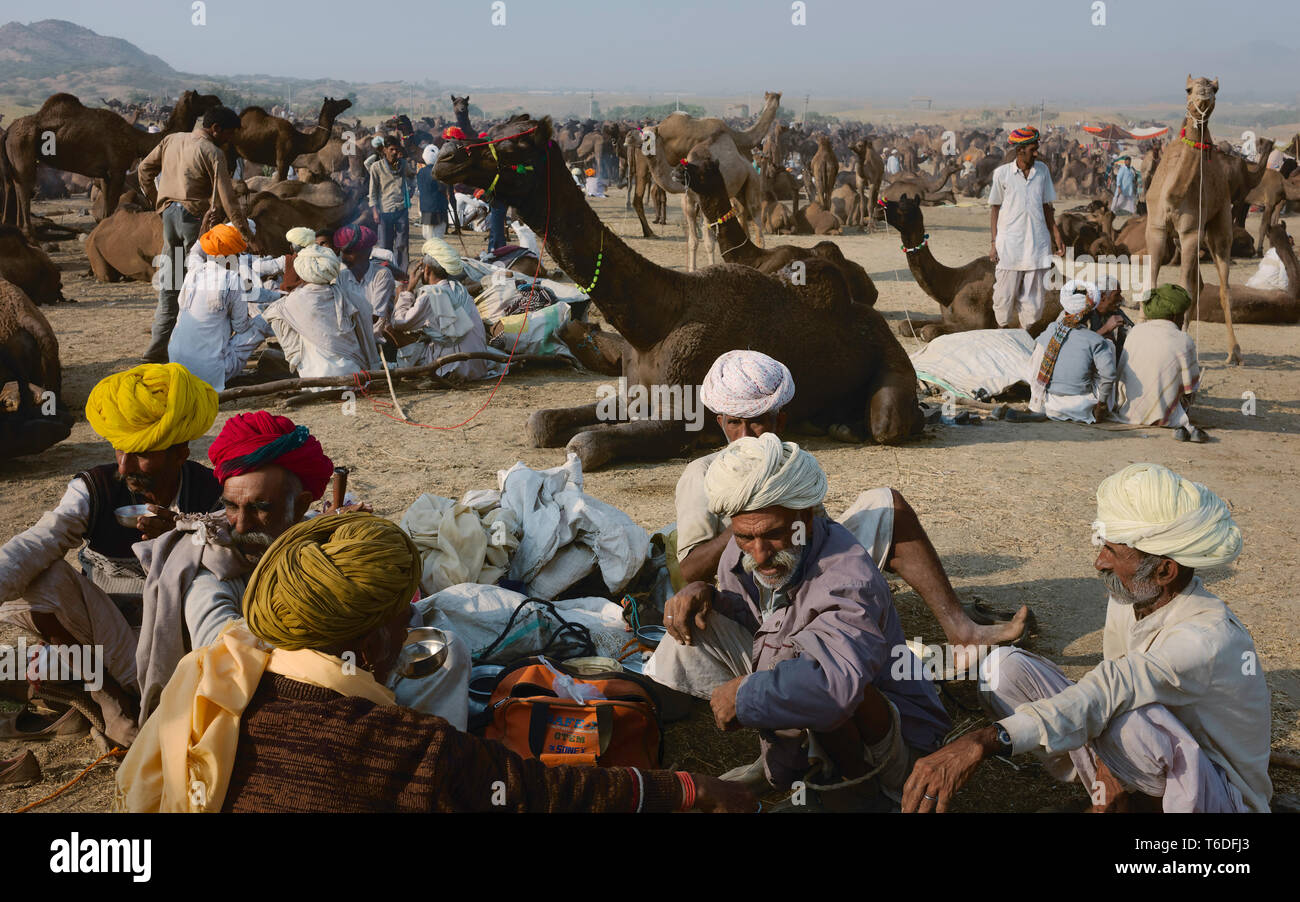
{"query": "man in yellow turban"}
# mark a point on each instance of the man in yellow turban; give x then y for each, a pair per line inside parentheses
(149, 415)
(1177, 715)
(288, 709)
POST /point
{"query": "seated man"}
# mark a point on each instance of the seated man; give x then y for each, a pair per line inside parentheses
(799, 637)
(270, 472)
(287, 710)
(1108, 318)
(1172, 712)
(1072, 372)
(1158, 370)
(438, 317)
(747, 390)
(149, 414)
(364, 274)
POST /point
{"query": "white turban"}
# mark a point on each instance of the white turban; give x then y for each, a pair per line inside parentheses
(1077, 294)
(753, 473)
(1107, 282)
(746, 384)
(1153, 509)
(300, 237)
(316, 265)
(445, 254)
(429, 154)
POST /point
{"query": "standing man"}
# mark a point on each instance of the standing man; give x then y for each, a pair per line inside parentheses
(433, 197)
(1024, 234)
(191, 174)
(1126, 187)
(390, 198)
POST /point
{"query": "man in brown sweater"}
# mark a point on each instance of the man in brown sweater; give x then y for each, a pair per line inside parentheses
(298, 684)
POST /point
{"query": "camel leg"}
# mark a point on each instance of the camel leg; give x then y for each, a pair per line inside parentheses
(1265, 220)
(751, 209)
(1156, 232)
(638, 204)
(871, 210)
(113, 187)
(635, 440)
(692, 237)
(1221, 249)
(892, 412)
(552, 428)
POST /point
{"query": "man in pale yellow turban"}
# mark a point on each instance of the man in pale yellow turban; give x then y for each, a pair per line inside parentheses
(288, 710)
(149, 415)
(1177, 715)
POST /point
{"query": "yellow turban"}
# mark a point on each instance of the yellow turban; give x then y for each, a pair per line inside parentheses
(445, 254)
(300, 237)
(331, 579)
(1153, 509)
(151, 407)
(222, 240)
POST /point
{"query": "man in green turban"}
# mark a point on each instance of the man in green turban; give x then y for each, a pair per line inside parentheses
(1158, 369)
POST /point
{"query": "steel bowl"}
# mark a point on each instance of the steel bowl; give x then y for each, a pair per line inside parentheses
(425, 652)
(132, 512)
(482, 680)
(651, 636)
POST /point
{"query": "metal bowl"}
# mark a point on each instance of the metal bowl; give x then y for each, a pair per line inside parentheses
(425, 651)
(482, 680)
(650, 636)
(132, 512)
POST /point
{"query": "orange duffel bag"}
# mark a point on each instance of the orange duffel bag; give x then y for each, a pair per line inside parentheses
(613, 722)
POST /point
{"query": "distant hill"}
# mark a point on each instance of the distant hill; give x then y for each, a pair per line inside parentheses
(53, 47)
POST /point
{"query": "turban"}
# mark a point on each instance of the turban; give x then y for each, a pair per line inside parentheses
(429, 154)
(331, 579)
(1166, 301)
(151, 407)
(1107, 282)
(1026, 135)
(317, 265)
(453, 133)
(377, 141)
(222, 240)
(250, 441)
(300, 237)
(753, 473)
(746, 384)
(1078, 295)
(361, 237)
(590, 173)
(1153, 509)
(445, 255)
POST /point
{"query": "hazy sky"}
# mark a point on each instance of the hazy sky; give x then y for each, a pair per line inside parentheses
(952, 50)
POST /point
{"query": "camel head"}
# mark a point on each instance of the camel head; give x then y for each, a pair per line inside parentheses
(905, 215)
(700, 172)
(1200, 97)
(460, 104)
(189, 110)
(523, 148)
(331, 107)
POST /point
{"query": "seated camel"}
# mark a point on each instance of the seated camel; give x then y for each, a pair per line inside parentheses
(846, 362)
(1258, 305)
(597, 350)
(29, 367)
(814, 220)
(29, 267)
(275, 215)
(964, 293)
(124, 245)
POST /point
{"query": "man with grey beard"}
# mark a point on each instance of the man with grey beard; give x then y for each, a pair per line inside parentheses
(1177, 715)
(797, 638)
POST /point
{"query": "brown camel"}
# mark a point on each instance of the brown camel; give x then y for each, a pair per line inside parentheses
(1271, 192)
(704, 175)
(640, 182)
(1243, 177)
(931, 189)
(824, 170)
(276, 215)
(679, 132)
(29, 367)
(846, 204)
(868, 170)
(676, 324)
(94, 143)
(333, 159)
(1256, 305)
(1190, 190)
(964, 293)
(777, 220)
(813, 220)
(26, 265)
(597, 350)
(273, 141)
(460, 107)
(124, 245)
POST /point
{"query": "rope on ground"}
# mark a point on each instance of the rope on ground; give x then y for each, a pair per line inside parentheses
(114, 752)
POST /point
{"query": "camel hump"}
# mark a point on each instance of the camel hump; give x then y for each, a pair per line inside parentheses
(62, 99)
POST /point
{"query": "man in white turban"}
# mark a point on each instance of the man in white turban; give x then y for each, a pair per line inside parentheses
(798, 638)
(1071, 374)
(1177, 715)
(748, 391)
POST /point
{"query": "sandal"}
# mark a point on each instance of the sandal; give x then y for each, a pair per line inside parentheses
(27, 724)
(20, 771)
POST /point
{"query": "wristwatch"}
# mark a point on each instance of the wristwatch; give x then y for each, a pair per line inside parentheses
(1004, 740)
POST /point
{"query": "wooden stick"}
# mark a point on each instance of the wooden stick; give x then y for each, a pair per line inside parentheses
(392, 392)
(340, 486)
(412, 372)
(1289, 760)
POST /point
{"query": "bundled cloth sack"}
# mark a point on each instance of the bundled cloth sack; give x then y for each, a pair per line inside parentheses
(966, 362)
(534, 332)
(466, 542)
(1271, 275)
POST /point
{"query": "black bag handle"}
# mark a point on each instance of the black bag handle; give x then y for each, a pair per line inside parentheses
(567, 629)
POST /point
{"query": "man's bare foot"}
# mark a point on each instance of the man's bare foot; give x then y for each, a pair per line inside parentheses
(967, 632)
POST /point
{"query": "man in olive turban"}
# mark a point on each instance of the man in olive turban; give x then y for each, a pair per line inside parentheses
(1158, 370)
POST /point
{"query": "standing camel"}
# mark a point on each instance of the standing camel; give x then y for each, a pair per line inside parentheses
(1190, 189)
(825, 169)
(868, 170)
(640, 182)
(273, 141)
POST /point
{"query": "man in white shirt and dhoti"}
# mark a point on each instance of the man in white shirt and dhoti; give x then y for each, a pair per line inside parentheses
(1158, 370)
(1023, 232)
(1177, 715)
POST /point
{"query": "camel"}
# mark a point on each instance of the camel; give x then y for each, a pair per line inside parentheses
(94, 143)
(813, 220)
(29, 367)
(1256, 305)
(597, 350)
(676, 324)
(777, 220)
(331, 160)
(679, 132)
(1190, 189)
(704, 175)
(964, 293)
(273, 141)
(824, 170)
(123, 246)
(28, 267)
(1243, 177)
(1270, 193)
(640, 182)
(932, 190)
(460, 106)
(846, 204)
(276, 215)
(868, 170)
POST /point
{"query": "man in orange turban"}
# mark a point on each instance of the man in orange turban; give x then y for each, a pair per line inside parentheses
(222, 241)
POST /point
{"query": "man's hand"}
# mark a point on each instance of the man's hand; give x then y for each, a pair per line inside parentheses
(936, 778)
(162, 521)
(362, 506)
(723, 703)
(1100, 410)
(722, 796)
(688, 610)
(993, 252)
(1111, 324)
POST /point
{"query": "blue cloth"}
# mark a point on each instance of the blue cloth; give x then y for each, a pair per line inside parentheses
(497, 225)
(1086, 363)
(433, 197)
(393, 228)
(1126, 181)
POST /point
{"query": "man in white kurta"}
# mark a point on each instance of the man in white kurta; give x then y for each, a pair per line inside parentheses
(1178, 710)
(443, 315)
(1158, 370)
(1023, 230)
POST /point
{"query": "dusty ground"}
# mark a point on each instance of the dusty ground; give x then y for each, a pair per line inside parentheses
(1007, 505)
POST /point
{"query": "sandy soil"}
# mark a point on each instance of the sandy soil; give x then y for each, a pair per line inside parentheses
(1007, 505)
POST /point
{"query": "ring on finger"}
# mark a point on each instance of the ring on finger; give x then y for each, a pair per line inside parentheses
(932, 798)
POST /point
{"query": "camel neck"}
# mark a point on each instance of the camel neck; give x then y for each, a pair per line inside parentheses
(1196, 132)
(929, 272)
(639, 299)
(731, 236)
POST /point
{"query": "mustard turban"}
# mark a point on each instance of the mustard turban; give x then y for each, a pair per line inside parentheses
(331, 579)
(753, 473)
(300, 237)
(151, 407)
(1153, 509)
(222, 240)
(445, 255)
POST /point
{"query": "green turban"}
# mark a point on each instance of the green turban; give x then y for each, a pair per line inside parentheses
(331, 579)
(1167, 301)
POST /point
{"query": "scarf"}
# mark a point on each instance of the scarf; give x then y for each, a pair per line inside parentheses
(1064, 325)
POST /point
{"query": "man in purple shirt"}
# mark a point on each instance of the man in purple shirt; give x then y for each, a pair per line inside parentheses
(800, 639)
